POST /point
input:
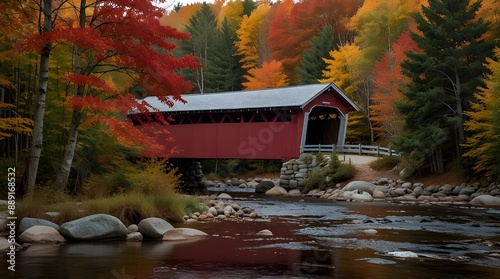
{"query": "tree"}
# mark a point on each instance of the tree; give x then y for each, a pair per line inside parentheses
(443, 78)
(203, 30)
(45, 26)
(388, 79)
(270, 75)
(312, 64)
(248, 43)
(112, 52)
(484, 125)
(226, 71)
(296, 24)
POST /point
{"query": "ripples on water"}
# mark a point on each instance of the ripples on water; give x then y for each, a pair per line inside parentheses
(312, 239)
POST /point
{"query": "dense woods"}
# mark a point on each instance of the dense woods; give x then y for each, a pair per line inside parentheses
(424, 72)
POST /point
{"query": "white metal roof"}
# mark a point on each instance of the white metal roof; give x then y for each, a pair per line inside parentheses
(284, 97)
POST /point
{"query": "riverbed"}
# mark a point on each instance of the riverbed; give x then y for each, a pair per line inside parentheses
(311, 238)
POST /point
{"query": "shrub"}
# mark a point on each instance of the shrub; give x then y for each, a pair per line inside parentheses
(386, 162)
(155, 176)
(333, 173)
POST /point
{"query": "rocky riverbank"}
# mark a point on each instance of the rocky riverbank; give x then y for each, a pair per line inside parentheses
(383, 189)
(99, 227)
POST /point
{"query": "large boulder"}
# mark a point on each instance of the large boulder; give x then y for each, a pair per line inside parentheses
(154, 227)
(360, 185)
(94, 227)
(361, 197)
(27, 223)
(485, 200)
(264, 186)
(183, 234)
(277, 191)
(41, 234)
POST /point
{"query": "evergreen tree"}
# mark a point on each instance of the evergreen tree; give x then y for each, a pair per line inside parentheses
(227, 73)
(202, 27)
(443, 78)
(312, 64)
(248, 7)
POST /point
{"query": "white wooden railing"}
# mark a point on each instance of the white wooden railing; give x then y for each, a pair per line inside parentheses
(350, 148)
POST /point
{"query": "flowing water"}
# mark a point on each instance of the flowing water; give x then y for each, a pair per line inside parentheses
(311, 239)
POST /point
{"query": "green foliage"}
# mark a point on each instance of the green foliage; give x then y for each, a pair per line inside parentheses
(333, 173)
(312, 64)
(358, 129)
(443, 75)
(233, 167)
(386, 162)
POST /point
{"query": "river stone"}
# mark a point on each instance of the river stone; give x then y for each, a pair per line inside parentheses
(295, 193)
(277, 191)
(183, 234)
(346, 195)
(229, 210)
(135, 237)
(224, 196)
(360, 185)
(418, 191)
(133, 228)
(94, 227)
(41, 234)
(377, 194)
(485, 200)
(264, 186)
(27, 223)
(154, 227)
(468, 191)
(265, 232)
(361, 197)
(213, 211)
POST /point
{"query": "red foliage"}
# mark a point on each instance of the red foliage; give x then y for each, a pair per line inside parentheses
(120, 36)
(388, 80)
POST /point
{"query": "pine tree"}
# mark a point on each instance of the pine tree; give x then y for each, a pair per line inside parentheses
(312, 63)
(443, 78)
(227, 73)
(202, 27)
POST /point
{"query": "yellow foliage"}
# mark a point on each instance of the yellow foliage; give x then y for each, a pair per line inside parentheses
(232, 11)
(249, 38)
(484, 124)
(341, 68)
(9, 126)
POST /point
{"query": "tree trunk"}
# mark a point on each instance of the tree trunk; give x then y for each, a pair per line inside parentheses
(62, 176)
(43, 79)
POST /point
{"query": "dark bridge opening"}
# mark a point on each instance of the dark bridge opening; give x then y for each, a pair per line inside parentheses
(323, 126)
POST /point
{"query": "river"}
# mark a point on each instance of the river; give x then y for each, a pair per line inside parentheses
(312, 238)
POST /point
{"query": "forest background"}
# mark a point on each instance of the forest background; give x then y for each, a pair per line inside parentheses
(424, 72)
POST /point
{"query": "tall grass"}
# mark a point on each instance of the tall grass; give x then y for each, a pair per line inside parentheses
(147, 192)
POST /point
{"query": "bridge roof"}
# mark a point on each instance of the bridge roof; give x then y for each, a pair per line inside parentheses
(284, 97)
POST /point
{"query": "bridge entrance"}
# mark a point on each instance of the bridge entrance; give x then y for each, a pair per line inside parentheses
(324, 126)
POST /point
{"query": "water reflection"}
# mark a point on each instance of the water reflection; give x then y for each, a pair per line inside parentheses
(311, 239)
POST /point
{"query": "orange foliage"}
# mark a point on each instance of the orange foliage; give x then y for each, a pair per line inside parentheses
(270, 75)
(388, 79)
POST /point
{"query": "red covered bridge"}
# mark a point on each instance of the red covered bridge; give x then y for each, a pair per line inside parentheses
(260, 124)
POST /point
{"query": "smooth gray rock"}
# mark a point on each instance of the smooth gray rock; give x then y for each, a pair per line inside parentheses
(224, 196)
(27, 223)
(135, 237)
(264, 186)
(154, 227)
(360, 185)
(485, 200)
(41, 234)
(277, 191)
(361, 197)
(265, 232)
(94, 227)
(183, 234)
